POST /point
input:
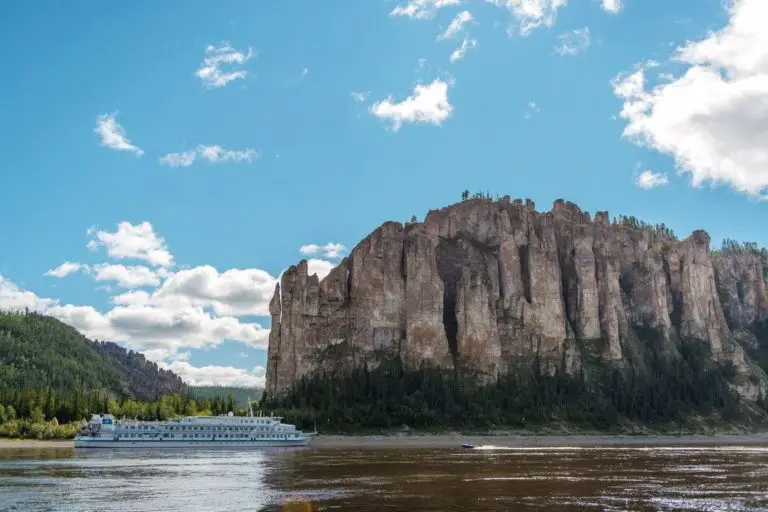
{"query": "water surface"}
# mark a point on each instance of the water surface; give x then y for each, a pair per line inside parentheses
(637, 478)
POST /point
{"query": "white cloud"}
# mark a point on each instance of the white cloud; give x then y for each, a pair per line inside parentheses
(428, 104)
(612, 6)
(193, 308)
(113, 135)
(132, 298)
(320, 267)
(165, 326)
(329, 250)
(649, 179)
(217, 375)
(210, 69)
(181, 159)
(232, 292)
(213, 154)
(360, 97)
(304, 72)
(160, 355)
(461, 51)
(422, 9)
(14, 298)
(66, 268)
(456, 25)
(140, 327)
(132, 276)
(133, 241)
(532, 14)
(713, 118)
(574, 42)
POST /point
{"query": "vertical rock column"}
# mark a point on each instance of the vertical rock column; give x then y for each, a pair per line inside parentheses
(273, 350)
(425, 337)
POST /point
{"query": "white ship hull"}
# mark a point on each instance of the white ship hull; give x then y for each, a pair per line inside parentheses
(237, 432)
(239, 444)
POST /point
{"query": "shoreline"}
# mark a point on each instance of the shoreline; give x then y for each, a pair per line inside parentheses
(454, 440)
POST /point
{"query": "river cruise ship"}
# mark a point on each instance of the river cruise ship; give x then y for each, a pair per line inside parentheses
(104, 431)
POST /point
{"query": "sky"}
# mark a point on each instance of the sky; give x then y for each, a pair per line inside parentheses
(164, 162)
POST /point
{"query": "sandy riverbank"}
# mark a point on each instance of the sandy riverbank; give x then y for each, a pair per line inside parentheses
(33, 443)
(455, 440)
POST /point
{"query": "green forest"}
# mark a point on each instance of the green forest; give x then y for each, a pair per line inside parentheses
(390, 396)
(52, 378)
(240, 394)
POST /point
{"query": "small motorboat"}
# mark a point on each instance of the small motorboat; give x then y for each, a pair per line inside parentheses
(470, 446)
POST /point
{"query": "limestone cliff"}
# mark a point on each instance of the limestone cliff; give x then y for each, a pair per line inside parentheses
(484, 283)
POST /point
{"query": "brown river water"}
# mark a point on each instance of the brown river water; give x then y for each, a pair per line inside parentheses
(558, 478)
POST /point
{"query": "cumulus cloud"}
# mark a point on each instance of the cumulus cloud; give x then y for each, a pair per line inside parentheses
(180, 159)
(360, 97)
(210, 72)
(574, 42)
(649, 179)
(213, 154)
(612, 6)
(14, 298)
(65, 269)
(113, 135)
(429, 104)
(457, 25)
(320, 267)
(329, 250)
(422, 9)
(531, 14)
(177, 311)
(713, 117)
(132, 276)
(217, 375)
(461, 51)
(132, 241)
(232, 292)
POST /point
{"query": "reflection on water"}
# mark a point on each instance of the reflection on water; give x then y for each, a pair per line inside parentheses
(314, 479)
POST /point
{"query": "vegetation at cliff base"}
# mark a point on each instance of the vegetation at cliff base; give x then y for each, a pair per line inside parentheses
(390, 396)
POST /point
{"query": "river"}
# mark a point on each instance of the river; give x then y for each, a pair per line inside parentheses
(558, 478)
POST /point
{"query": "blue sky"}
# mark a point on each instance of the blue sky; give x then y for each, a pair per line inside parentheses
(179, 154)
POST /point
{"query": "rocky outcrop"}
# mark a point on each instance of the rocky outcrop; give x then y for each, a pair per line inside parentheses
(485, 283)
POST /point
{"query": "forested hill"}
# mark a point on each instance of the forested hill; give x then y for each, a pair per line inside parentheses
(38, 351)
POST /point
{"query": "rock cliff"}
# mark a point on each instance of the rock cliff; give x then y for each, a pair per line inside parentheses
(485, 283)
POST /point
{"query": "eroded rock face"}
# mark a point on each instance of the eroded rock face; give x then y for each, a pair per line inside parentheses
(486, 282)
(741, 288)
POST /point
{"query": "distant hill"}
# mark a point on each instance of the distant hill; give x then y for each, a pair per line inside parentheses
(38, 351)
(239, 394)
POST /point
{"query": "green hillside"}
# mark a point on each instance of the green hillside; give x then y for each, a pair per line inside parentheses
(38, 351)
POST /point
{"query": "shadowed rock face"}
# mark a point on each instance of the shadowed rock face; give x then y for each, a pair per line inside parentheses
(482, 283)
